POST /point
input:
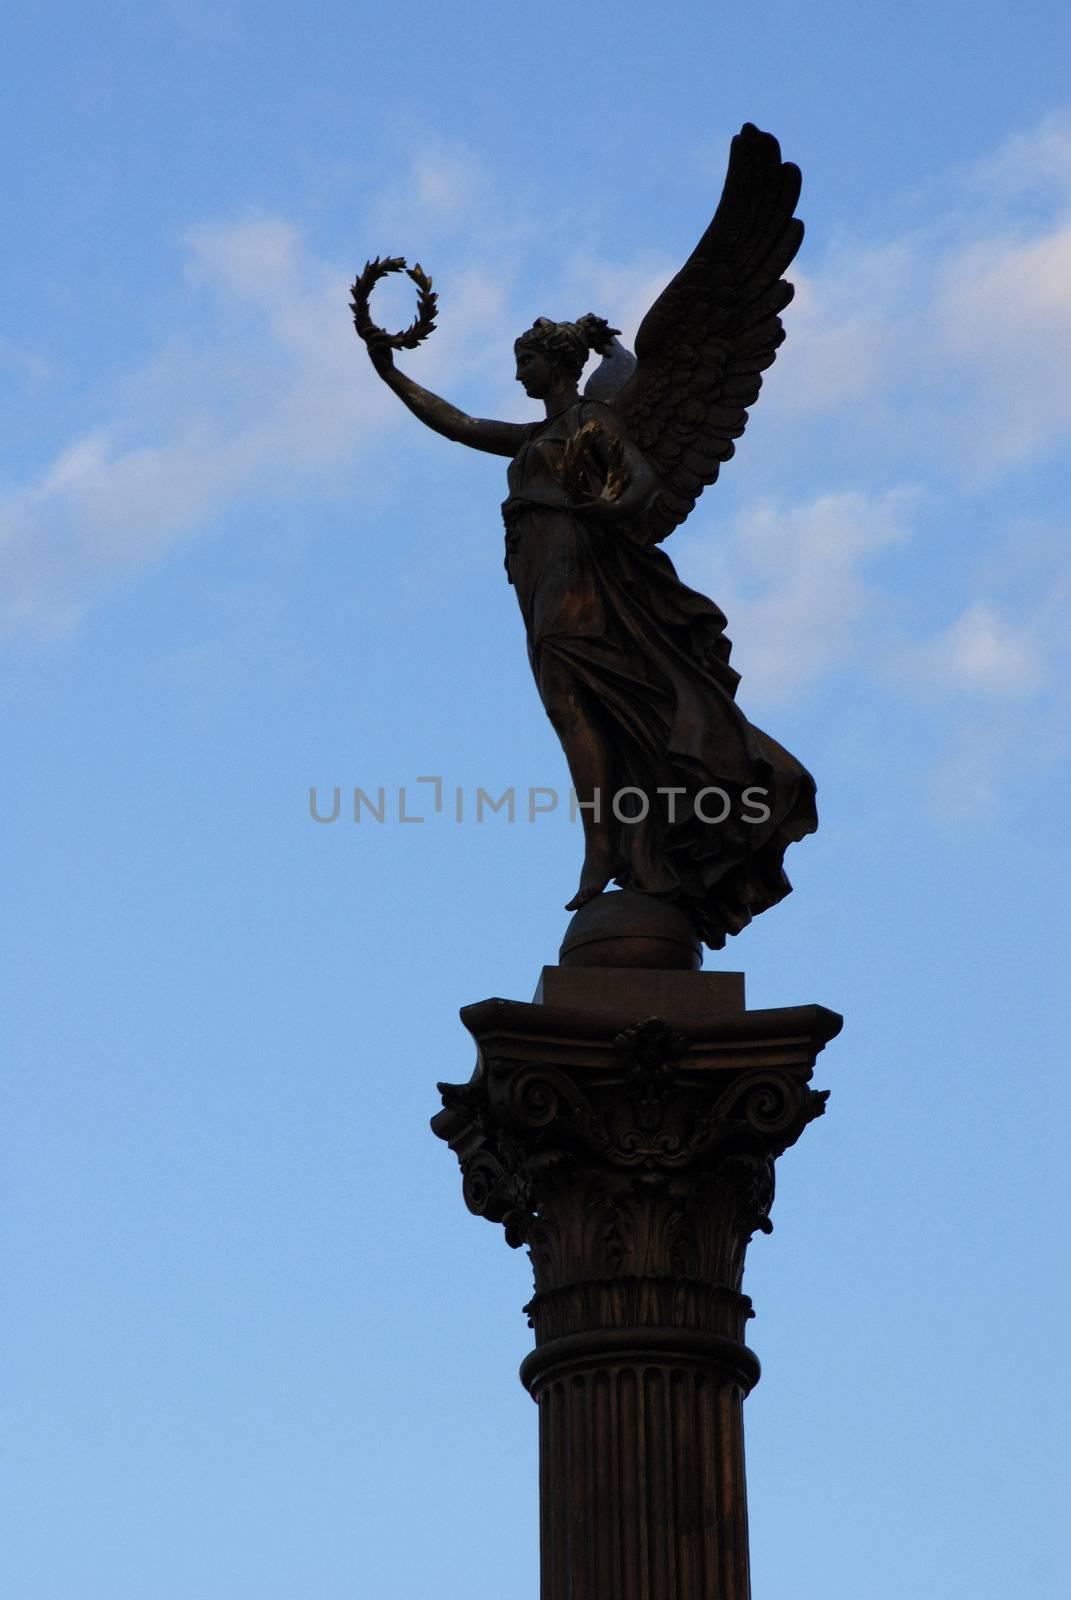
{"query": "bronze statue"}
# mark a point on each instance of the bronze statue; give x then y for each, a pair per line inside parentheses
(631, 665)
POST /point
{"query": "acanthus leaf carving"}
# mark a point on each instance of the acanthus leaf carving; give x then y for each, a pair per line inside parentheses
(635, 1177)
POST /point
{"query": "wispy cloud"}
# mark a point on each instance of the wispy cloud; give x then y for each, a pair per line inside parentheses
(995, 682)
(982, 654)
(206, 422)
(945, 346)
(954, 336)
(259, 386)
(944, 350)
(795, 582)
(264, 390)
(1001, 317)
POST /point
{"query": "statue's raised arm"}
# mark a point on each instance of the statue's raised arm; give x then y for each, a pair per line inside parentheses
(702, 348)
(499, 438)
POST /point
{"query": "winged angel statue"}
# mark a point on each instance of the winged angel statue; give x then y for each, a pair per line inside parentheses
(632, 666)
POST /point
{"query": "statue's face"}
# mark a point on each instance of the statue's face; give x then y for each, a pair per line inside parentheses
(534, 372)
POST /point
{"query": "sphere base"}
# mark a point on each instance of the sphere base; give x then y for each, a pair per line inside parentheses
(627, 929)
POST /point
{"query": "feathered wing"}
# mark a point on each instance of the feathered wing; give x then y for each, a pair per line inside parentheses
(702, 348)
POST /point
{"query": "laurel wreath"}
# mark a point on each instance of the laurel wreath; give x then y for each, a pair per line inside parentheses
(579, 458)
(427, 303)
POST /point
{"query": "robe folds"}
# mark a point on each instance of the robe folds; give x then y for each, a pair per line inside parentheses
(649, 659)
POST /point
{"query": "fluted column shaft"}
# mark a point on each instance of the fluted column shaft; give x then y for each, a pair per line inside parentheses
(641, 1473)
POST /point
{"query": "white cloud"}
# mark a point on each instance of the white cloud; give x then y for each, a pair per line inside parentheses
(621, 291)
(1002, 316)
(842, 329)
(953, 337)
(205, 425)
(1034, 164)
(795, 584)
(998, 691)
(267, 388)
(983, 654)
(991, 754)
(32, 367)
(274, 390)
(967, 779)
(435, 194)
(949, 342)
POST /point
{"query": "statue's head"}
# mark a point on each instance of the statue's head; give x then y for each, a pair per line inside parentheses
(549, 350)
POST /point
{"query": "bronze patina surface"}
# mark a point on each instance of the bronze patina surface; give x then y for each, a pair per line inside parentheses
(632, 666)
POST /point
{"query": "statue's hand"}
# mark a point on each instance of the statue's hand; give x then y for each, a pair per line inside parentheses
(381, 352)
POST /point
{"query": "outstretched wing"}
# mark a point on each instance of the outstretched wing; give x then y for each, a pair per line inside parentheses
(703, 346)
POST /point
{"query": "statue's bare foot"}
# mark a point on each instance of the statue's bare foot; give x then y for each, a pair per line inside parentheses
(593, 880)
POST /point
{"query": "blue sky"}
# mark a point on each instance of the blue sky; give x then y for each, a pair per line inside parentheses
(254, 1348)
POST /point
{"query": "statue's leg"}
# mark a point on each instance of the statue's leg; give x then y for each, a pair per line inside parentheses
(573, 713)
